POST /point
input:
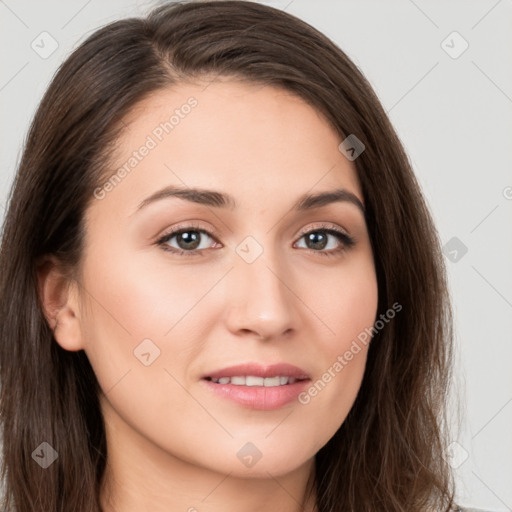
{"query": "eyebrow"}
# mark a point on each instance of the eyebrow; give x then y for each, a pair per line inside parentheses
(221, 200)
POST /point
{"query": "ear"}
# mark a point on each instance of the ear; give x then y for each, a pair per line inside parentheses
(59, 300)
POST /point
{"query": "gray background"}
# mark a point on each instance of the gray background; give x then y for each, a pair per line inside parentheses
(454, 116)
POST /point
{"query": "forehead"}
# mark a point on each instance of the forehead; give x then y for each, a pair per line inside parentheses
(251, 140)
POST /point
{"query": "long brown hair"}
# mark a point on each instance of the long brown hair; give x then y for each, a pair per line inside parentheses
(388, 453)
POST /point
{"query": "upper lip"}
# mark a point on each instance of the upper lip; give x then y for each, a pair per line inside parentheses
(259, 370)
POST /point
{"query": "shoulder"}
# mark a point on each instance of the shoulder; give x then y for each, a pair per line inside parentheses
(463, 509)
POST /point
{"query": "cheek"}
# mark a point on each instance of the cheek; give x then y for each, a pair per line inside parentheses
(138, 340)
(147, 297)
(139, 308)
(344, 300)
(347, 305)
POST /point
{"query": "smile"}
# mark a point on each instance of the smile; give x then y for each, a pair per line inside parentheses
(251, 380)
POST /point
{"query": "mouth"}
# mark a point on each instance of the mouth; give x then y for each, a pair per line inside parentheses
(253, 380)
(258, 387)
(256, 374)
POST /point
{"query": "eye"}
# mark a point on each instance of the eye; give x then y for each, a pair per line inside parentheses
(332, 239)
(190, 240)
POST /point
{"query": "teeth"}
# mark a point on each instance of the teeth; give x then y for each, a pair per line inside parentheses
(251, 380)
(272, 381)
(254, 381)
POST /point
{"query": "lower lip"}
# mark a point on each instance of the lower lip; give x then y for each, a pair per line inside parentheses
(259, 397)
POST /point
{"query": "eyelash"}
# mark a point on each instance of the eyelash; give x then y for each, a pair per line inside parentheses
(346, 241)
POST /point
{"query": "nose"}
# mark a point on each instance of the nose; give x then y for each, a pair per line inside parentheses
(261, 301)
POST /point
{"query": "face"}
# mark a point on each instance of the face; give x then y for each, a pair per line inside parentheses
(180, 286)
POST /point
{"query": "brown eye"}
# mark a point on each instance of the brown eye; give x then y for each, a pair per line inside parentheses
(327, 241)
(186, 241)
(316, 240)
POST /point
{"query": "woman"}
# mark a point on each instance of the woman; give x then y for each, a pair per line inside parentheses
(221, 286)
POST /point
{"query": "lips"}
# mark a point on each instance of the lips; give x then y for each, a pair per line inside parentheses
(259, 371)
(251, 380)
(258, 387)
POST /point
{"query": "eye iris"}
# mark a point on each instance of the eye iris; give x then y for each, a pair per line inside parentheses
(314, 239)
(189, 238)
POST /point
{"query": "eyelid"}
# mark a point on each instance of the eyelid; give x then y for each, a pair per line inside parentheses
(192, 226)
(323, 225)
(345, 240)
(346, 243)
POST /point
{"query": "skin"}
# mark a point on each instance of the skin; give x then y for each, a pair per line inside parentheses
(172, 443)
